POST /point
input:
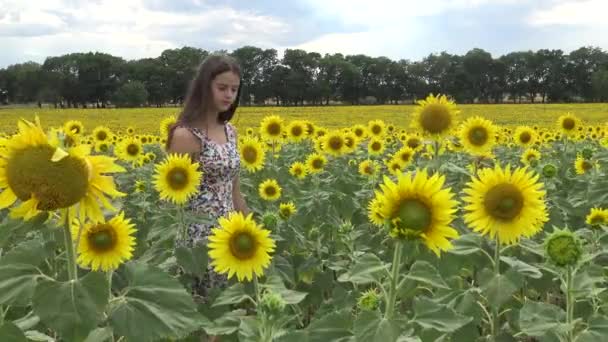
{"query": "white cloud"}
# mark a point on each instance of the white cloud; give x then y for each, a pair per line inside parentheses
(586, 13)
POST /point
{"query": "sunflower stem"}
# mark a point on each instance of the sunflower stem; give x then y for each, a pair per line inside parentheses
(69, 248)
(569, 304)
(110, 273)
(256, 289)
(495, 319)
(392, 292)
(183, 229)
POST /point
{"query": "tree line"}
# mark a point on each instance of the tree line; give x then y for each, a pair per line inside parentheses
(308, 78)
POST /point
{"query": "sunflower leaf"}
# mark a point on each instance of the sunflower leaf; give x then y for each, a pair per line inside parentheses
(17, 283)
(371, 326)
(235, 294)
(154, 300)
(72, 308)
(535, 319)
(194, 260)
(10, 332)
(422, 271)
(431, 315)
(366, 269)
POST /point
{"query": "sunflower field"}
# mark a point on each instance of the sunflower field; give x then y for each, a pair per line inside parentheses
(452, 228)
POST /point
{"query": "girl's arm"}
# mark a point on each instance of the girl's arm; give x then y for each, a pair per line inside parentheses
(237, 197)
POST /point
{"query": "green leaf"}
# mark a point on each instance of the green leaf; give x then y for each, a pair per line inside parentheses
(522, 268)
(366, 269)
(371, 326)
(193, 260)
(235, 294)
(17, 283)
(466, 244)
(331, 327)
(596, 331)
(227, 324)
(536, 318)
(431, 315)
(425, 272)
(500, 288)
(31, 252)
(99, 335)
(35, 335)
(154, 300)
(10, 332)
(72, 308)
(275, 284)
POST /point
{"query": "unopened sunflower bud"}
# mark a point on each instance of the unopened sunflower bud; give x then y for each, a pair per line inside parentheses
(270, 219)
(587, 153)
(549, 170)
(563, 248)
(369, 300)
(272, 303)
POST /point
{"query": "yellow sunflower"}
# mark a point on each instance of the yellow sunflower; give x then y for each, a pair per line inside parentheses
(369, 168)
(298, 170)
(395, 166)
(129, 149)
(271, 128)
(296, 131)
(375, 147)
(360, 131)
(374, 212)
(177, 178)
(569, 124)
(413, 141)
(478, 135)
(376, 128)
(103, 246)
(510, 204)
(333, 143)
(73, 126)
(525, 136)
(315, 163)
(530, 156)
(269, 190)
(102, 147)
(405, 155)
(286, 210)
(252, 154)
(102, 134)
(36, 170)
(597, 217)
(435, 116)
(240, 246)
(418, 207)
(583, 165)
(166, 124)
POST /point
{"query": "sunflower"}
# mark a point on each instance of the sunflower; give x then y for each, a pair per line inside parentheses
(368, 168)
(569, 124)
(240, 246)
(177, 178)
(375, 147)
(405, 155)
(130, 130)
(166, 124)
(374, 212)
(350, 142)
(395, 166)
(525, 136)
(477, 135)
(506, 203)
(530, 156)
(376, 128)
(583, 165)
(102, 134)
(272, 128)
(296, 131)
(252, 154)
(315, 163)
(417, 207)
(139, 186)
(269, 190)
(74, 126)
(286, 210)
(129, 149)
(102, 147)
(35, 169)
(105, 245)
(597, 217)
(333, 143)
(360, 131)
(298, 170)
(435, 116)
(413, 141)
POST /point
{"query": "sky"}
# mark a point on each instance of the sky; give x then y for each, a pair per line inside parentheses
(399, 29)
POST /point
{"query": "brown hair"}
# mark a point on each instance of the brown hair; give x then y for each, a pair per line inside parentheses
(199, 93)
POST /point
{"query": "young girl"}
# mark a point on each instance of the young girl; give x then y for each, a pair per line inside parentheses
(202, 130)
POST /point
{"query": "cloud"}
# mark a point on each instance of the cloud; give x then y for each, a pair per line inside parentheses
(585, 13)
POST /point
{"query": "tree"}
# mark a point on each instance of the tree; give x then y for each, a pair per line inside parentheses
(131, 94)
(599, 84)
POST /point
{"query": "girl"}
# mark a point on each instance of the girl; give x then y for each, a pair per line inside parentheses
(202, 130)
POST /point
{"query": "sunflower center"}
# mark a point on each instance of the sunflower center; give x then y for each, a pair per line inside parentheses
(368, 169)
(56, 185)
(296, 131)
(102, 238)
(274, 129)
(102, 135)
(317, 163)
(177, 178)
(335, 143)
(376, 129)
(435, 118)
(358, 132)
(349, 142)
(270, 190)
(297, 171)
(376, 146)
(596, 220)
(243, 246)
(250, 154)
(568, 124)
(525, 137)
(396, 166)
(504, 201)
(75, 129)
(133, 149)
(413, 143)
(586, 165)
(406, 156)
(478, 136)
(415, 215)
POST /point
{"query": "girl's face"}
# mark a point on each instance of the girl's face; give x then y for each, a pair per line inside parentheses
(224, 88)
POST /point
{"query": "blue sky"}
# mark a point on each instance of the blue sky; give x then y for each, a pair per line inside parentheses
(408, 29)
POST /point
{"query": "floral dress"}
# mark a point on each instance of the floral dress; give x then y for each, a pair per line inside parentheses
(220, 163)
